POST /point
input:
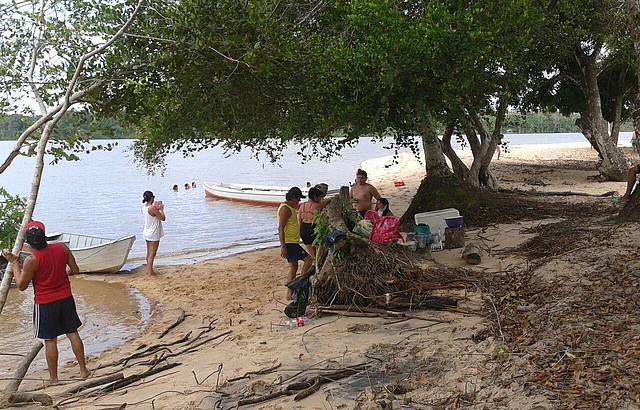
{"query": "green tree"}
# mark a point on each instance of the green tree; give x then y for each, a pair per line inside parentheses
(53, 51)
(264, 73)
(592, 73)
(11, 213)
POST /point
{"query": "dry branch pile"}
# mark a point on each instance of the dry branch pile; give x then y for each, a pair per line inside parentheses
(362, 274)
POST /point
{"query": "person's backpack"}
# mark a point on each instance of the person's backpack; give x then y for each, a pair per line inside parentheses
(386, 230)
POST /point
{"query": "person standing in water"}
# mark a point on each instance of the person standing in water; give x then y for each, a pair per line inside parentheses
(362, 193)
(289, 234)
(54, 309)
(152, 233)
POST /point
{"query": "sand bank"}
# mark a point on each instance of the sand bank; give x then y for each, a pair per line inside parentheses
(447, 364)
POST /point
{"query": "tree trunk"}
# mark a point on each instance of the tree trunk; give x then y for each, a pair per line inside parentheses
(18, 375)
(485, 146)
(435, 162)
(633, 10)
(28, 212)
(613, 164)
(631, 210)
(460, 169)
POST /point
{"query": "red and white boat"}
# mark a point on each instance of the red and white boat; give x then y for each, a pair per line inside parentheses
(251, 194)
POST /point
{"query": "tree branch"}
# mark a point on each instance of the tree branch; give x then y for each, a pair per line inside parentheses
(617, 108)
(38, 33)
(15, 151)
(459, 167)
(100, 49)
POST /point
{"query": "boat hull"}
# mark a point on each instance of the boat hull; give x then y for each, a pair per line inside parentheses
(95, 254)
(272, 196)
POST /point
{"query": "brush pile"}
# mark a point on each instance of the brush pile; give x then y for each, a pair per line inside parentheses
(356, 272)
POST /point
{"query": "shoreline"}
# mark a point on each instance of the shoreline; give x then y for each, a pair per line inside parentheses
(245, 293)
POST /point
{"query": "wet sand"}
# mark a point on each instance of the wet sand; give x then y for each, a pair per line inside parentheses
(111, 313)
(244, 295)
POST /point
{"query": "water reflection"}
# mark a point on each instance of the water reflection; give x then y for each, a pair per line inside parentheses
(110, 313)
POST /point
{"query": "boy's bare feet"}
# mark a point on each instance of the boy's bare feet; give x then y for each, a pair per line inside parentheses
(51, 382)
(85, 373)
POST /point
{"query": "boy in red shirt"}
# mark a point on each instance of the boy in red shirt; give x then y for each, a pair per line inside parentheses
(54, 311)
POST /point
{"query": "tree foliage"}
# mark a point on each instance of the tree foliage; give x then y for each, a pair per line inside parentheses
(41, 44)
(11, 211)
(264, 73)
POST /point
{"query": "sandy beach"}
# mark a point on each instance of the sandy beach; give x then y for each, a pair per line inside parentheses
(234, 342)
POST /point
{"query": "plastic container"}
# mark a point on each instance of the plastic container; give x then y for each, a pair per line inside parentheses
(436, 219)
(454, 222)
(436, 242)
(412, 245)
(422, 240)
(300, 321)
(422, 229)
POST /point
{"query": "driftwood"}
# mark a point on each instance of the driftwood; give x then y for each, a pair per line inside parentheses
(136, 377)
(374, 312)
(42, 398)
(93, 383)
(13, 385)
(472, 254)
(180, 319)
(255, 372)
(454, 237)
(307, 387)
(318, 381)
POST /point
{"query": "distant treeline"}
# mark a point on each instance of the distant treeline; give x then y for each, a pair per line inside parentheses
(73, 123)
(84, 124)
(545, 123)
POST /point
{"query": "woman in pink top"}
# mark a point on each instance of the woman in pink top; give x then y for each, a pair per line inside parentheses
(306, 213)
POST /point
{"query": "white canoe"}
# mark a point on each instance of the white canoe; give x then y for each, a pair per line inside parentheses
(95, 254)
(252, 194)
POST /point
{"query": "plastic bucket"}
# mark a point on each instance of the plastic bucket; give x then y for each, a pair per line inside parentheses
(422, 229)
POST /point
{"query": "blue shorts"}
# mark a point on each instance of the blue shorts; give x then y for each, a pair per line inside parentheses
(295, 252)
(56, 318)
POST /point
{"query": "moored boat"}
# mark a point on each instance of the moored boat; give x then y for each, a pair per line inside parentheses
(251, 194)
(96, 254)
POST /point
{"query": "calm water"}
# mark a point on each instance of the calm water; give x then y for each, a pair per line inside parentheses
(110, 314)
(101, 194)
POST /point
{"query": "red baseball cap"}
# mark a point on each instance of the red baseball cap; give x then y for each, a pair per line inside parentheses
(34, 224)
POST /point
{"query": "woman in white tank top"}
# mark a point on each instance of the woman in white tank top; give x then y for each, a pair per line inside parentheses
(152, 232)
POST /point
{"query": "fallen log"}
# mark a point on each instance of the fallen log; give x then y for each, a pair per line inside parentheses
(472, 254)
(42, 398)
(13, 385)
(93, 383)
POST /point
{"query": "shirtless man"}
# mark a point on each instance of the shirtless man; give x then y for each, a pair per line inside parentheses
(362, 193)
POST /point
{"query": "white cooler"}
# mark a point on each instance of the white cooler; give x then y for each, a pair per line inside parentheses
(435, 219)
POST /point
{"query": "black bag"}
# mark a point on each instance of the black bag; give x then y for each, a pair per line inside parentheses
(300, 292)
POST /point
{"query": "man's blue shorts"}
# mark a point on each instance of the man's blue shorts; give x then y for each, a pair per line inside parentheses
(295, 252)
(56, 318)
